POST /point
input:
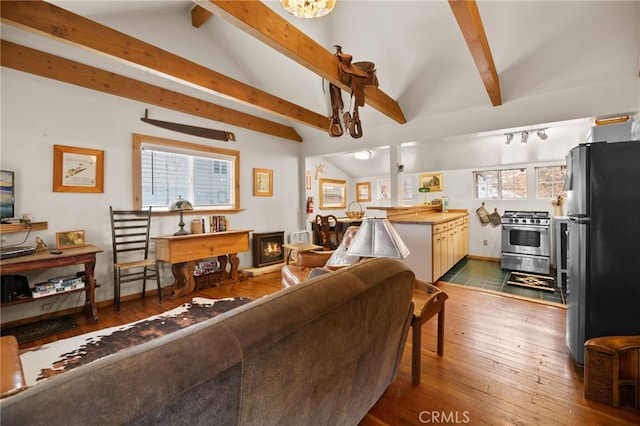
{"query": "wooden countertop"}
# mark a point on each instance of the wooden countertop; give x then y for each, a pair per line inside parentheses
(430, 218)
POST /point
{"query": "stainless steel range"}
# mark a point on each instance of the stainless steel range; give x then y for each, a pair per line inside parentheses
(526, 242)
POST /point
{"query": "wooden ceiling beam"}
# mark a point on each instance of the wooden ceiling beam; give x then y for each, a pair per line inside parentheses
(258, 20)
(57, 23)
(199, 16)
(468, 17)
(43, 64)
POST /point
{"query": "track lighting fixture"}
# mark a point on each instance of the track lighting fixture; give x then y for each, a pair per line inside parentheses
(541, 134)
(509, 138)
(524, 135)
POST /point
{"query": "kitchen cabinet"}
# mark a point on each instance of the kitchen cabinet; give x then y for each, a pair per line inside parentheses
(437, 241)
(440, 242)
(452, 247)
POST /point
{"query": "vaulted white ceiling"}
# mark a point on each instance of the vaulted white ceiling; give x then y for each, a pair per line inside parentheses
(556, 61)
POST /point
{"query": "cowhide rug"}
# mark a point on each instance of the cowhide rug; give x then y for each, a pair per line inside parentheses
(55, 358)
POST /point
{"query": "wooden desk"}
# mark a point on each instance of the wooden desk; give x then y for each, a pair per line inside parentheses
(44, 260)
(183, 251)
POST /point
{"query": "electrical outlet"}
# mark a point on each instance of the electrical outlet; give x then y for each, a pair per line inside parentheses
(484, 242)
(46, 307)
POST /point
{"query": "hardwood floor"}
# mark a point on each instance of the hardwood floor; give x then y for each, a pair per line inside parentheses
(505, 362)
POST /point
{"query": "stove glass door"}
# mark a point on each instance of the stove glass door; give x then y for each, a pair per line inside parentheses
(523, 239)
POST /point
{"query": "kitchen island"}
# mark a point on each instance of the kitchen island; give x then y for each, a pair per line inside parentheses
(437, 240)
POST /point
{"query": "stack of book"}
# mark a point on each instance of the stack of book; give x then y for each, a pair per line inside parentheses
(218, 223)
(57, 285)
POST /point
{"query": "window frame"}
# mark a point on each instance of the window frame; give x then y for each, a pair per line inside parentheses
(138, 140)
(563, 193)
(500, 186)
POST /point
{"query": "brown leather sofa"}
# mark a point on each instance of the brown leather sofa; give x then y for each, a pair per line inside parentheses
(321, 352)
(307, 261)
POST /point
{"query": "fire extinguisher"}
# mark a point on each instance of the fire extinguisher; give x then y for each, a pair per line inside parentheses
(309, 205)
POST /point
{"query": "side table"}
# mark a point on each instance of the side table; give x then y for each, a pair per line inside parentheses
(288, 248)
(428, 300)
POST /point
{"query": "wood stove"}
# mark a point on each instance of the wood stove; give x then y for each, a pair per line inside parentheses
(268, 248)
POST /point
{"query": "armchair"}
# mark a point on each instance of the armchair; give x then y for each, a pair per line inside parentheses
(309, 260)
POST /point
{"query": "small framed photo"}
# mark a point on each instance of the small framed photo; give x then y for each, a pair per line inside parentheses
(433, 181)
(262, 182)
(363, 191)
(70, 239)
(77, 169)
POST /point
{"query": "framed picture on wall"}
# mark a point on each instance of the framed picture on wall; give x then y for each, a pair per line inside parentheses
(262, 182)
(77, 169)
(363, 191)
(383, 191)
(333, 194)
(433, 181)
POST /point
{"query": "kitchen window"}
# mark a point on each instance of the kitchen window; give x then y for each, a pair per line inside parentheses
(164, 170)
(550, 181)
(508, 184)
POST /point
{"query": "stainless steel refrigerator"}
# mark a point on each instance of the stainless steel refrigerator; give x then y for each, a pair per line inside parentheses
(603, 244)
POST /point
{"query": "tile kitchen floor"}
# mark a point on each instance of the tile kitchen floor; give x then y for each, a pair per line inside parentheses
(488, 275)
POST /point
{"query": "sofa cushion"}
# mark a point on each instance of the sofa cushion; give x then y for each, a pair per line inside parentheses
(331, 357)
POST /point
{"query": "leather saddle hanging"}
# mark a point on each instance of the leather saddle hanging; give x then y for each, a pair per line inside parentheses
(356, 75)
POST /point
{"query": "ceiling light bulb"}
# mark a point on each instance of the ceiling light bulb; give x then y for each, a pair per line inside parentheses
(541, 134)
(362, 155)
(525, 136)
(509, 138)
(308, 8)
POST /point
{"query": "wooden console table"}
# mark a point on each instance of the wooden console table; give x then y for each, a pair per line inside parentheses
(183, 251)
(44, 260)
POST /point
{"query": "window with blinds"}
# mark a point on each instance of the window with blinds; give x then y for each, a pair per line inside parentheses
(205, 176)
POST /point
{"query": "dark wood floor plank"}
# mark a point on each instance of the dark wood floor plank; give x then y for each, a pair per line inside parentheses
(505, 362)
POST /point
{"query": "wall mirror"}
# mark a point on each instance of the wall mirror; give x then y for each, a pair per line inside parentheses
(333, 194)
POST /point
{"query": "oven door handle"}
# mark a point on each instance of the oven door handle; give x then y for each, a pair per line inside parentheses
(523, 227)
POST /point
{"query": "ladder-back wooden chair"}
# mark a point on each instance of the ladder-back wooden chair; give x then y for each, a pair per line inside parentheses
(329, 237)
(131, 262)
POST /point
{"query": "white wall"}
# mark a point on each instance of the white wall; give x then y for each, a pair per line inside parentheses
(457, 173)
(320, 169)
(38, 113)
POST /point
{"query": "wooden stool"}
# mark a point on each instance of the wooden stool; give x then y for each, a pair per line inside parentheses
(11, 374)
(612, 370)
(428, 300)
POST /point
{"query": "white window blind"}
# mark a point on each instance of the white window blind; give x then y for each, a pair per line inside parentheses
(206, 180)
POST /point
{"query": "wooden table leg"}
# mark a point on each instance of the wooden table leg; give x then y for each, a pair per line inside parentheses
(441, 330)
(416, 345)
(235, 263)
(224, 259)
(184, 283)
(90, 308)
